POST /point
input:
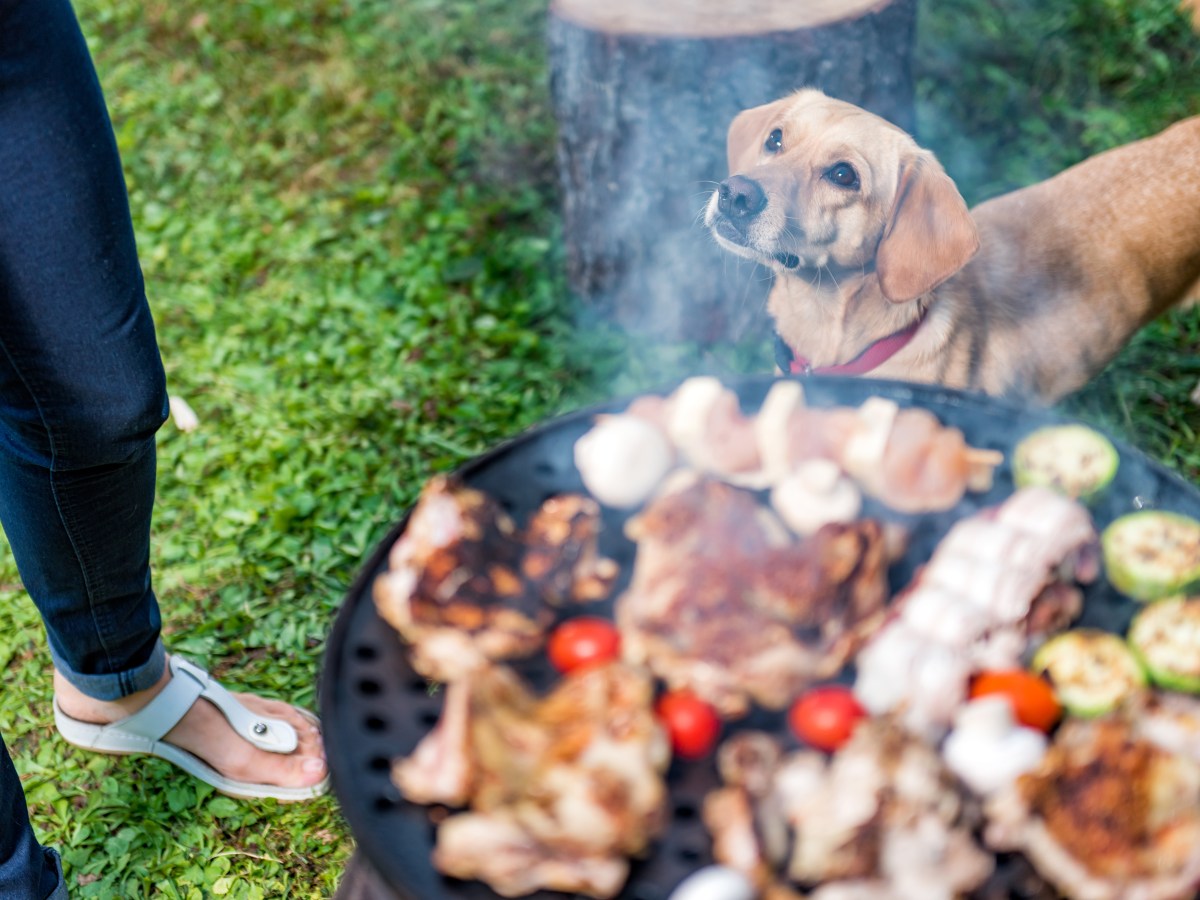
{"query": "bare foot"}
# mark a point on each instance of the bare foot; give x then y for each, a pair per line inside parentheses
(204, 732)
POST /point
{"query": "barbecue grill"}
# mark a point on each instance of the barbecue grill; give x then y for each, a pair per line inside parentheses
(375, 707)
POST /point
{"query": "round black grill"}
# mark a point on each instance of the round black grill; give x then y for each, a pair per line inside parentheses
(375, 708)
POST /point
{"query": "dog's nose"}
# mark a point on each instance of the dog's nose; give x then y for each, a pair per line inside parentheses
(740, 198)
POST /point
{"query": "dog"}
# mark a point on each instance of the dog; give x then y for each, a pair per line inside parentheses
(881, 269)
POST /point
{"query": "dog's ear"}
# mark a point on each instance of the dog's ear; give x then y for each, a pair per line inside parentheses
(746, 135)
(930, 234)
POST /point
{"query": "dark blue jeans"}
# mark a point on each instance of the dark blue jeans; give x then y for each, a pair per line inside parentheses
(82, 390)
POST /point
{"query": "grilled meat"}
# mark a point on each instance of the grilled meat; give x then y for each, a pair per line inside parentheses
(1108, 815)
(463, 586)
(996, 579)
(563, 789)
(904, 457)
(454, 589)
(881, 818)
(497, 850)
(561, 559)
(723, 601)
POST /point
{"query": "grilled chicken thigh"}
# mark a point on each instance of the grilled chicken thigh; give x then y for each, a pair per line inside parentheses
(562, 789)
(465, 586)
(1109, 815)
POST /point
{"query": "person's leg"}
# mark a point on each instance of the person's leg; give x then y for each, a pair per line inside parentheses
(27, 870)
(82, 390)
(54, 498)
(82, 393)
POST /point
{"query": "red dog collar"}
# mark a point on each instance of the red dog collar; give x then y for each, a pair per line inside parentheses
(872, 357)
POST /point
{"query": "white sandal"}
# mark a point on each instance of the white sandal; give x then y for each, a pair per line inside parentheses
(143, 731)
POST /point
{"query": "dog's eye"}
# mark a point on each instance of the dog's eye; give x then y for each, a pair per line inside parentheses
(774, 141)
(843, 175)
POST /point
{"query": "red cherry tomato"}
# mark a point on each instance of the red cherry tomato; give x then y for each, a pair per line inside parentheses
(692, 724)
(584, 641)
(825, 716)
(1033, 700)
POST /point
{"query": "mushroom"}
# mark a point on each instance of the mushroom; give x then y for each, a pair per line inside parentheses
(623, 459)
(987, 749)
(815, 494)
(714, 883)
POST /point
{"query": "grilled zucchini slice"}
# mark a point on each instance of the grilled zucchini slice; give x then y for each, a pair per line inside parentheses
(1072, 459)
(1092, 671)
(1152, 554)
(1166, 638)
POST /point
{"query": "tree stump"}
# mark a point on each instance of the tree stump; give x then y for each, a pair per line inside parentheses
(644, 91)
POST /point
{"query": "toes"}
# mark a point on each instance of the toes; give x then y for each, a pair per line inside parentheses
(293, 770)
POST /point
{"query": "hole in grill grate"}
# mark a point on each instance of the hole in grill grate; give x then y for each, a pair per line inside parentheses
(685, 812)
(365, 652)
(369, 687)
(375, 723)
(428, 717)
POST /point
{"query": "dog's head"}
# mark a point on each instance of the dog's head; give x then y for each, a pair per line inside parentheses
(818, 184)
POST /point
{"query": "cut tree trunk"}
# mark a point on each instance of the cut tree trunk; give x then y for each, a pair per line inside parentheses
(644, 92)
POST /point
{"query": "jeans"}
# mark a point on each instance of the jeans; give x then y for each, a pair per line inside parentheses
(82, 389)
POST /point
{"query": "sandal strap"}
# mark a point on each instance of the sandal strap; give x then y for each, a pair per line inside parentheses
(189, 683)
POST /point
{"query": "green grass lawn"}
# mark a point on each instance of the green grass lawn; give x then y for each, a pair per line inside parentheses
(348, 222)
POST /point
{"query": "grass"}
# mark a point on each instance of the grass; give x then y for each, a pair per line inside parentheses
(347, 218)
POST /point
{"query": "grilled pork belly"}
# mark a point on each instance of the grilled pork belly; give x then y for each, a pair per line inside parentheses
(723, 601)
(996, 580)
(1108, 815)
(562, 789)
(881, 818)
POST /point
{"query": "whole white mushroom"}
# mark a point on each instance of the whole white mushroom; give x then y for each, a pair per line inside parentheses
(623, 459)
(815, 493)
(988, 749)
(714, 883)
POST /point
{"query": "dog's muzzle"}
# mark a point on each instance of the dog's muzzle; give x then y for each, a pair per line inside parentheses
(740, 200)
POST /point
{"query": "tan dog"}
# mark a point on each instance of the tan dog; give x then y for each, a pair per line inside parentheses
(881, 269)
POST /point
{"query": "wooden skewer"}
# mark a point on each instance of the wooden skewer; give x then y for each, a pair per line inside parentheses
(981, 457)
(981, 465)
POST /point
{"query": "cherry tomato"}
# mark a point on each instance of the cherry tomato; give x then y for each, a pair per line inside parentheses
(692, 724)
(825, 716)
(583, 641)
(1033, 701)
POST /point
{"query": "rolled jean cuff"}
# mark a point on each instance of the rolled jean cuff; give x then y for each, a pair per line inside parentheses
(60, 889)
(116, 685)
